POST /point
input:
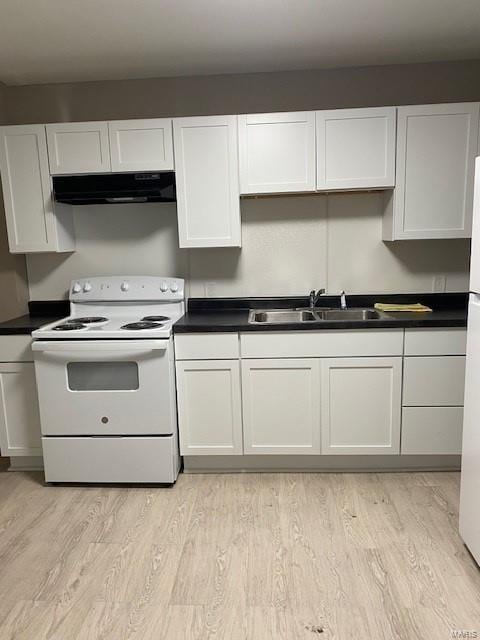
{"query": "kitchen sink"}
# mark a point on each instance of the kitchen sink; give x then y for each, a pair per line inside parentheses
(281, 316)
(300, 316)
(348, 314)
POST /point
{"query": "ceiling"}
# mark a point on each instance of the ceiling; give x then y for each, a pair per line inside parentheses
(76, 40)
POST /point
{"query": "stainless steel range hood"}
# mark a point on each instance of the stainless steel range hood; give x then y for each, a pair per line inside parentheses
(115, 188)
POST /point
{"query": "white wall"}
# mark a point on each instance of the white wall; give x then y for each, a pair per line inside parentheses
(290, 244)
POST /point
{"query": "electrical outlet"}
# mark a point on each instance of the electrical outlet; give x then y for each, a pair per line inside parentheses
(439, 284)
(210, 289)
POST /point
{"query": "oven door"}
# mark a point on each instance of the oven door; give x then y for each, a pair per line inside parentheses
(105, 387)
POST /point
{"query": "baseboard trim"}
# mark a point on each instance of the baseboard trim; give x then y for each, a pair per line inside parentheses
(316, 464)
(26, 463)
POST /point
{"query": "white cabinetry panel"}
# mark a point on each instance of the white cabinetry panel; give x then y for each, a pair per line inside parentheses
(434, 381)
(208, 197)
(19, 416)
(209, 407)
(277, 152)
(436, 342)
(78, 147)
(361, 405)
(141, 145)
(281, 406)
(206, 346)
(432, 430)
(436, 149)
(27, 189)
(356, 148)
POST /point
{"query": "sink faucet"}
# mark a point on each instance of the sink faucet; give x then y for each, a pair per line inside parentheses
(343, 300)
(314, 297)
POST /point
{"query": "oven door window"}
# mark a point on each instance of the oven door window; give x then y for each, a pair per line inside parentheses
(102, 376)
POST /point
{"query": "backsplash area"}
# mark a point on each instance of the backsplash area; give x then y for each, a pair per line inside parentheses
(290, 244)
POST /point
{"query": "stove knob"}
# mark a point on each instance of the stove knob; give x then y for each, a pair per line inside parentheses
(164, 287)
(77, 287)
(87, 287)
(124, 286)
(174, 287)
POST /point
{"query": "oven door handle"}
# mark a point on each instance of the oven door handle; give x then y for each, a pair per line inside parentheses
(97, 346)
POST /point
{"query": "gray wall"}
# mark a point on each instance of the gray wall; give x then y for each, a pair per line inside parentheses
(13, 276)
(290, 244)
(286, 91)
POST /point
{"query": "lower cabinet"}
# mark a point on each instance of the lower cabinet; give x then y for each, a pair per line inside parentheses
(432, 430)
(361, 405)
(209, 407)
(281, 406)
(19, 417)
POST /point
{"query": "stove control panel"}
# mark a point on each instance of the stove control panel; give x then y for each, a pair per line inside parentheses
(128, 288)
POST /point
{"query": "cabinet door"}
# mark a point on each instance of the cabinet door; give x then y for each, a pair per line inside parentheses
(281, 406)
(206, 163)
(141, 145)
(356, 148)
(19, 417)
(361, 405)
(209, 407)
(436, 149)
(277, 152)
(78, 147)
(27, 189)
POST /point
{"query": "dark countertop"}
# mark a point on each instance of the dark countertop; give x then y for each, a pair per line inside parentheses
(231, 314)
(223, 315)
(40, 313)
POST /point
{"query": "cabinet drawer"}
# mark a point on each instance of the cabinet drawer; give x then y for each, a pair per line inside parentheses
(436, 342)
(16, 349)
(206, 346)
(432, 430)
(434, 381)
(318, 344)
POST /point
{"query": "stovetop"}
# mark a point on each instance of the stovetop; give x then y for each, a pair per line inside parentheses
(119, 307)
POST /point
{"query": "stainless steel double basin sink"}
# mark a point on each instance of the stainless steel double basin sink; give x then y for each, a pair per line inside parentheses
(302, 316)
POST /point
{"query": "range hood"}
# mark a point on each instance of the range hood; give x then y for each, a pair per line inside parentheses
(115, 188)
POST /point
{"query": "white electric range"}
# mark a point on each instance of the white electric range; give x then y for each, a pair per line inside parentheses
(106, 382)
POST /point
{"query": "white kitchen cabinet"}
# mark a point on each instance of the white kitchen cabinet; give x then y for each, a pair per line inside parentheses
(141, 145)
(432, 430)
(19, 416)
(277, 152)
(78, 147)
(209, 407)
(433, 381)
(361, 405)
(281, 406)
(436, 149)
(356, 148)
(33, 224)
(206, 165)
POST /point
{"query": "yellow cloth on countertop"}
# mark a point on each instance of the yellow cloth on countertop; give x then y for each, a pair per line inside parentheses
(417, 307)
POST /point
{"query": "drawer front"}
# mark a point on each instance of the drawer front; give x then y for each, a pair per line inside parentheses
(129, 459)
(434, 381)
(432, 430)
(206, 346)
(318, 344)
(436, 342)
(16, 349)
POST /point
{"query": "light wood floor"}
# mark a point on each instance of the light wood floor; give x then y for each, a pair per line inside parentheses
(252, 556)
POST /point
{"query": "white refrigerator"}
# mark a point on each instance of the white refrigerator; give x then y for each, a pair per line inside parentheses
(470, 482)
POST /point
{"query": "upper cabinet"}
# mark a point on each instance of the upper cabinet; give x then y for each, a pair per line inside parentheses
(141, 145)
(206, 164)
(277, 152)
(356, 148)
(32, 224)
(436, 149)
(78, 147)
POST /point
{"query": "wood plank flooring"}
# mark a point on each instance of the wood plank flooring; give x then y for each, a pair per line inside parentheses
(236, 557)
